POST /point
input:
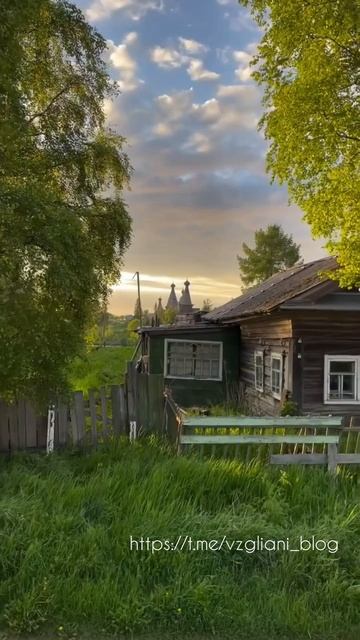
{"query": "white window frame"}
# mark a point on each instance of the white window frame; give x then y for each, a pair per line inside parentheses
(259, 387)
(331, 358)
(167, 375)
(276, 356)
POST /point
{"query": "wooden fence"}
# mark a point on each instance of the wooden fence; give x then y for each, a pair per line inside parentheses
(135, 407)
(284, 440)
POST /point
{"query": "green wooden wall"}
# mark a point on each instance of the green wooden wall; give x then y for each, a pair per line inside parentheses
(189, 393)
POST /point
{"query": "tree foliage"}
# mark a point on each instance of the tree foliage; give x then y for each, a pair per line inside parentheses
(309, 64)
(63, 223)
(169, 316)
(274, 251)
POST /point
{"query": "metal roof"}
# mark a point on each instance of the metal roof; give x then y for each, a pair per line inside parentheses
(278, 289)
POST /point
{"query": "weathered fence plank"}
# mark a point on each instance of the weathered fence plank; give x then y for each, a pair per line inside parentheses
(115, 404)
(74, 428)
(245, 422)
(92, 405)
(104, 419)
(131, 391)
(299, 458)
(142, 402)
(62, 419)
(247, 439)
(80, 416)
(21, 420)
(31, 430)
(4, 427)
(13, 427)
(348, 458)
(123, 410)
(155, 402)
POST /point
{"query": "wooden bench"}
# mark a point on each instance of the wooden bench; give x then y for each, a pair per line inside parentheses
(195, 431)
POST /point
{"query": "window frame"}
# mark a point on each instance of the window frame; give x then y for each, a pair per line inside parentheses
(210, 342)
(276, 356)
(328, 358)
(260, 387)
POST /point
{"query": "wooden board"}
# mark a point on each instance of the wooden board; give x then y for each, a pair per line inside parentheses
(4, 427)
(62, 418)
(80, 417)
(115, 403)
(299, 458)
(247, 439)
(92, 406)
(270, 422)
(348, 458)
(31, 435)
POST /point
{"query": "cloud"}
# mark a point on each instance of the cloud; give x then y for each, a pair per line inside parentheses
(178, 56)
(182, 55)
(208, 111)
(121, 60)
(198, 73)
(176, 106)
(243, 72)
(192, 47)
(198, 143)
(136, 9)
(131, 38)
(167, 58)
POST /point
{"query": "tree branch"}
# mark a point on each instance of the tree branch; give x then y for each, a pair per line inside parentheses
(40, 114)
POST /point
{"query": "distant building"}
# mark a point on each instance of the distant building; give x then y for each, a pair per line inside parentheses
(186, 313)
(172, 302)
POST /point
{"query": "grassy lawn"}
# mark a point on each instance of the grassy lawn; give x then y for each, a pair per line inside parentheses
(66, 568)
(100, 367)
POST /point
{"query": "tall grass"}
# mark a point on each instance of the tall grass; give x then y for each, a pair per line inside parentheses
(99, 367)
(65, 561)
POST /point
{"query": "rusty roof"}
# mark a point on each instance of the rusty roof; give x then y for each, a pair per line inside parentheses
(274, 291)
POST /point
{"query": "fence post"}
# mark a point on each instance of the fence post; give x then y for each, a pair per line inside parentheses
(332, 455)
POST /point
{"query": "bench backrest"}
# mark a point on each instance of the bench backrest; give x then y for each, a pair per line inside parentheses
(244, 422)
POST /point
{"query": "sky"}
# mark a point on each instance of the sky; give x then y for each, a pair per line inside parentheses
(189, 111)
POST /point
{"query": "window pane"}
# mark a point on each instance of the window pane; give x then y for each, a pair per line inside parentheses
(206, 368)
(349, 386)
(214, 368)
(342, 386)
(342, 366)
(193, 359)
(276, 364)
(188, 367)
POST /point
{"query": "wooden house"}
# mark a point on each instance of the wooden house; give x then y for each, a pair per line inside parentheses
(300, 337)
(295, 336)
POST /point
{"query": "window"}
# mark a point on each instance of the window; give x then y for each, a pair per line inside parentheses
(200, 360)
(259, 370)
(341, 384)
(276, 374)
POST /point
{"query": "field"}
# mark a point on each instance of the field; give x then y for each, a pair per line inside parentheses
(66, 568)
(101, 366)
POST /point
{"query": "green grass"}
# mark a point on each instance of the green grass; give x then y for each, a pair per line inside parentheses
(100, 367)
(65, 523)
